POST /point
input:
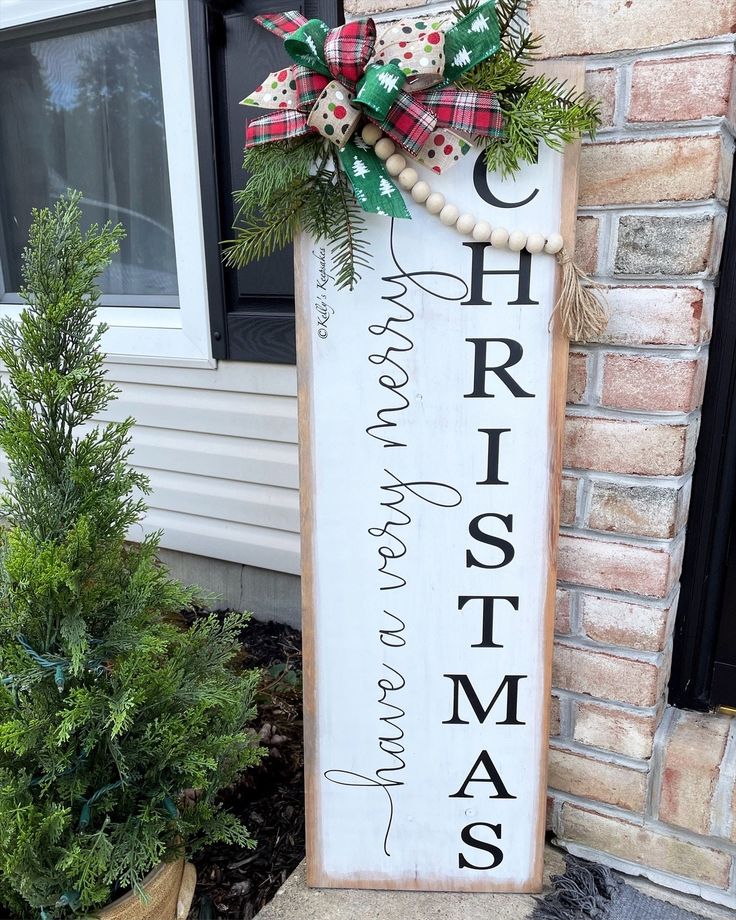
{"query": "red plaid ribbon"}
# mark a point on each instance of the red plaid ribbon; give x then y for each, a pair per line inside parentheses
(309, 84)
(472, 112)
(277, 126)
(348, 49)
(409, 123)
(281, 24)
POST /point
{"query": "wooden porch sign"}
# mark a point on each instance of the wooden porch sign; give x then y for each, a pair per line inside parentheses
(431, 402)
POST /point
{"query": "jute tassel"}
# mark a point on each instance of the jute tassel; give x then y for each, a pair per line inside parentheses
(584, 315)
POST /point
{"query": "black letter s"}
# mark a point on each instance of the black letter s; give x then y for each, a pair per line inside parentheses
(468, 838)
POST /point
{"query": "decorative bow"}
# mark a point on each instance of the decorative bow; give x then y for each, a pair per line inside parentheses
(403, 84)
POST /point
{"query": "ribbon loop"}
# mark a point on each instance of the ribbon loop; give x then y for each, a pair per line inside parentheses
(306, 46)
(280, 90)
(472, 112)
(417, 48)
(334, 115)
(277, 126)
(379, 89)
(347, 50)
(408, 123)
(281, 24)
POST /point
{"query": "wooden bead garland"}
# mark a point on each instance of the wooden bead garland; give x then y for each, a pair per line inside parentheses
(583, 316)
(408, 178)
(395, 164)
(384, 148)
(420, 192)
(449, 215)
(435, 202)
(465, 224)
(481, 231)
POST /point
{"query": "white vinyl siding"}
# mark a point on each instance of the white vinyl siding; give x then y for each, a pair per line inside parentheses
(220, 448)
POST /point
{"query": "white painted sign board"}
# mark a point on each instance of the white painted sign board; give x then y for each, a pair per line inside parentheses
(431, 402)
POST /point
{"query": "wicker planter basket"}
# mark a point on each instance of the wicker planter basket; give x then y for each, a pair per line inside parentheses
(170, 888)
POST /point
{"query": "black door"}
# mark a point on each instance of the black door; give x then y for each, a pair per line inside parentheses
(252, 310)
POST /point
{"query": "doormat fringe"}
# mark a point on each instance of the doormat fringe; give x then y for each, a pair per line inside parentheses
(588, 891)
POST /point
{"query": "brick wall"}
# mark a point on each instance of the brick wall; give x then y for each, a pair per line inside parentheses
(634, 783)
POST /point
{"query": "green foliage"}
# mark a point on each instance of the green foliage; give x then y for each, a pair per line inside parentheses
(117, 725)
(536, 109)
(292, 185)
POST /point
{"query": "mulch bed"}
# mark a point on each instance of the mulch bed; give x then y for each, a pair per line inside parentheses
(237, 883)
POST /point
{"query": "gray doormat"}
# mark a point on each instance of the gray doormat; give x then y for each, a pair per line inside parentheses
(588, 890)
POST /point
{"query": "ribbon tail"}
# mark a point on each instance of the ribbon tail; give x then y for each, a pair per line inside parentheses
(474, 113)
(472, 40)
(373, 188)
(278, 91)
(277, 126)
(282, 24)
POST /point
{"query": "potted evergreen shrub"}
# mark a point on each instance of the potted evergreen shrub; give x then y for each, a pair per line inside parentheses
(117, 725)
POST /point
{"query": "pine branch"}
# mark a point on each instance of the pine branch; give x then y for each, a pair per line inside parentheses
(536, 109)
(298, 185)
(332, 214)
(349, 250)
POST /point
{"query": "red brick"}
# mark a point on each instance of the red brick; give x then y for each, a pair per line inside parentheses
(634, 842)
(649, 171)
(554, 716)
(586, 244)
(623, 731)
(652, 384)
(601, 26)
(620, 446)
(692, 757)
(616, 566)
(592, 778)
(613, 622)
(644, 510)
(607, 676)
(562, 612)
(568, 499)
(577, 376)
(601, 85)
(550, 814)
(681, 89)
(658, 316)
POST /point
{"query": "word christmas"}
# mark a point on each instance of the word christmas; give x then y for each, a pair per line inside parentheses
(430, 509)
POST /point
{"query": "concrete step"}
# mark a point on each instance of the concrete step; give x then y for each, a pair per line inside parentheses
(295, 901)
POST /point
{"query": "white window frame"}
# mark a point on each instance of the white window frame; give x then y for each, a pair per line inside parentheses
(144, 334)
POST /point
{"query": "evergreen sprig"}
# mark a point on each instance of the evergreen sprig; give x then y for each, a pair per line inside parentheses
(110, 712)
(292, 185)
(536, 109)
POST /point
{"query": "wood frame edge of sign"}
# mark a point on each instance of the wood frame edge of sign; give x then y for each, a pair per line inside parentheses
(306, 467)
(316, 876)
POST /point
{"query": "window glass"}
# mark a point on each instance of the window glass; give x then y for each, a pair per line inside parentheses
(82, 108)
